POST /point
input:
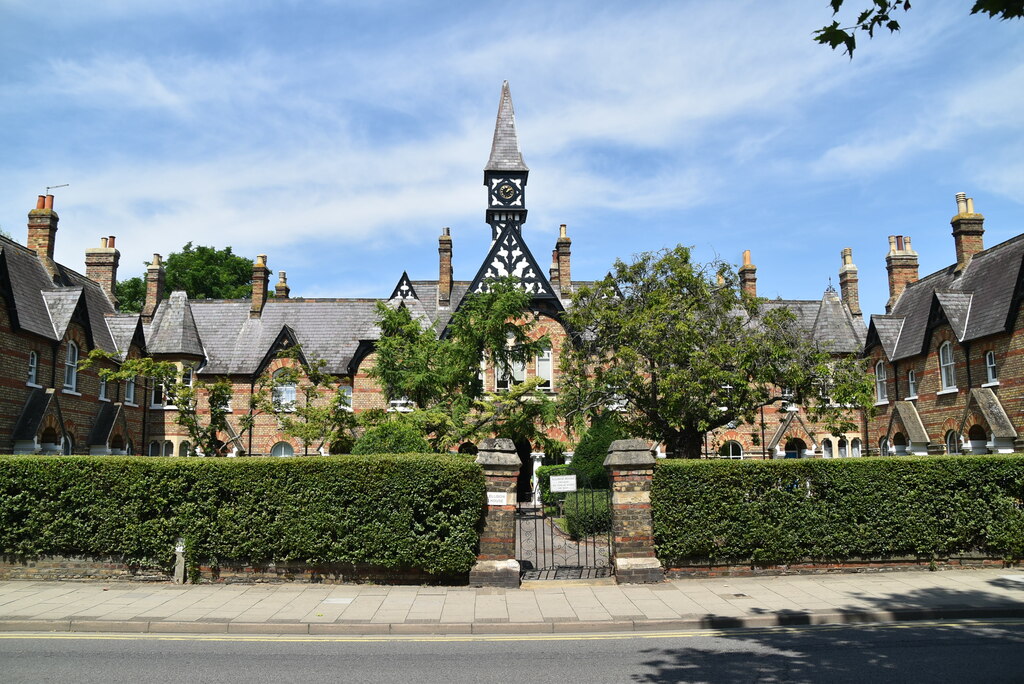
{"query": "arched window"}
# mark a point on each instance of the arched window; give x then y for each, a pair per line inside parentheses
(978, 439)
(33, 367)
(795, 448)
(826, 448)
(284, 390)
(855, 448)
(990, 367)
(911, 385)
(883, 446)
(282, 449)
(184, 449)
(69, 445)
(544, 368)
(168, 448)
(899, 442)
(842, 447)
(129, 447)
(946, 366)
(731, 449)
(952, 442)
(154, 448)
(881, 392)
(71, 367)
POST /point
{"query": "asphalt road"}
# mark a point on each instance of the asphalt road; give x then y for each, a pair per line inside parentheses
(990, 651)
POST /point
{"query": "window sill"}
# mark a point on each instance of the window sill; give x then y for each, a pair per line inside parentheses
(910, 398)
(994, 383)
(71, 392)
(104, 399)
(33, 385)
(163, 407)
(882, 403)
(951, 390)
(131, 403)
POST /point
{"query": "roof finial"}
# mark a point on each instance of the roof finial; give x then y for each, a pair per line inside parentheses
(505, 154)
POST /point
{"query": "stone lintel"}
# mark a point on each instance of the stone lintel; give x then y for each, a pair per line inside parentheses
(498, 454)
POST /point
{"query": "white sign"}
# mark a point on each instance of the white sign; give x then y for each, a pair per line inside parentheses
(497, 498)
(563, 483)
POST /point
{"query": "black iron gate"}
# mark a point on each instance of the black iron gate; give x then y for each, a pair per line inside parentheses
(564, 535)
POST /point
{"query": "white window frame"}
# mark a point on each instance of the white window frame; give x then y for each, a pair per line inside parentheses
(168, 448)
(103, 390)
(544, 366)
(158, 391)
(186, 376)
(883, 446)
(71, 367)
(826, 448)
(732, 449)
(154, 445)
(505, 379)
(855, 448)
(279, 449)
(947, 367)
(881, 378)
(991, 372)
(346, 390)
(284, 393)
(33, 369)
(911, 384)
(129, 392)
(842, 447)
(952, 439)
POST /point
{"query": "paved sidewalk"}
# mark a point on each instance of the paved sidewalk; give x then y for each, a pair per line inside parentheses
(541, 608)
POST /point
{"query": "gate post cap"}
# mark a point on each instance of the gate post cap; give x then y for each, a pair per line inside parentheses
(629, 452)
(497, 451)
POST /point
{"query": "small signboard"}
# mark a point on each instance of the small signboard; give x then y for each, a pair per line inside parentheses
(563, 483)
(497, 498)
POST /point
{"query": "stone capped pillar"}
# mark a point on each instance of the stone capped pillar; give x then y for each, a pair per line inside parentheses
(496, 563)
(630, 466)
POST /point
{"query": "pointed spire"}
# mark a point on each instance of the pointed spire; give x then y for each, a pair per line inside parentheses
(505, 154)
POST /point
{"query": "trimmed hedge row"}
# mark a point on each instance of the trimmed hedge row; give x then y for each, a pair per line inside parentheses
(412, 511)
(767, 512)
(587, 512)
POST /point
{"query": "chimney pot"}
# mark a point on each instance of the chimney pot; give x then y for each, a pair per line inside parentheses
(970, 205)
(103, 242)
(746, 257)
(48, 204)
(961, 202)
(562, 230)
(110, 241)
(748, 275)
(41, 202)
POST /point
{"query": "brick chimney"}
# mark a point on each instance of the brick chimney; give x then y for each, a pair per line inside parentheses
(563, 250)
(553, 269)
(444, 276)
(101, 266)
(42, 227)
(154, 288)
(281, 290)
(748, 275)
(260, 283)
(849, 283)
(901, 263)
(968, 231)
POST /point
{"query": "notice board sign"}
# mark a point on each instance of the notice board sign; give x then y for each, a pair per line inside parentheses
(563, 483)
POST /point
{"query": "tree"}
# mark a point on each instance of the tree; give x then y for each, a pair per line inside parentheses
(879, 15)
(202, 272)
(307, 403)
(679, 350)
(204, 430)
(441, 375)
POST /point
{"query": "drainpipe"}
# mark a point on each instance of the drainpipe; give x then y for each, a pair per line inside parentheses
(967, 362)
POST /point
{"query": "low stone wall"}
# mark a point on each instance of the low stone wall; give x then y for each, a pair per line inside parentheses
(302, 573)
(849, 566)
(78, 568)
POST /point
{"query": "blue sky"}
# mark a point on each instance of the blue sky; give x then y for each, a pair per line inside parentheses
(340, 137)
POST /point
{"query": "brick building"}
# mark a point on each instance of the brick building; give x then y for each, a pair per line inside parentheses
(946, 355)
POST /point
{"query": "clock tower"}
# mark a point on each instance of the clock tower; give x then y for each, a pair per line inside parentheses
(505, 174)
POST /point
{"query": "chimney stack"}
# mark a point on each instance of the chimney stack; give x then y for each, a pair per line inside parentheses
(281, 290)
(563, 251)
(848, 283)
(260, 284)
(968, 231)
(42, 227)
(444, 277)
(748, 275)
(154, 288)
(553, 269)
(901, 263)
(101, 266)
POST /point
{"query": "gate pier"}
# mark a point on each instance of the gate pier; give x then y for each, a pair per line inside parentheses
(496, 564)
(630, 466)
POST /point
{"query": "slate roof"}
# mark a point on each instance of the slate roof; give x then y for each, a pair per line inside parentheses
(122, 329)
(827, 321)
(911, 419)
(173, 329)
(44, 305)
(32, 414)
(993, 412)
(104, 423)
(977, 303)
(505, 154)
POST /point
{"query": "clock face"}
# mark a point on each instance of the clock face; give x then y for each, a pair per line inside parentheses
(506, 191)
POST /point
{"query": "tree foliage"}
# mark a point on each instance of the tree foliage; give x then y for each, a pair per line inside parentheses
(441, 374)
(392, 437)
(680, 350)
(319, 416)
(131, 294)
(880, 15)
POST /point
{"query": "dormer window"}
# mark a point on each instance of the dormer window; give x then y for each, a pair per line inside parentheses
(991, 374)
(33, 368)
(71, 368)
(946, 366)
(881, 391)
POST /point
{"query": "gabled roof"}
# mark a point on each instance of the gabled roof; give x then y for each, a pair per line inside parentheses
(40, 402)
(885, 330)
(125, 330)
(784, 428)
(956, 307)
(992, 277)
(827, 321)
(509, 256)
(61, 305)
(173, 330)
(992, 410)
(108, 415)
(505, 154)
(911, 420)
(404, 288)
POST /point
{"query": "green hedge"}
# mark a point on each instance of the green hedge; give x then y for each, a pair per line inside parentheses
(587, 512)
(829, 510)
(409, 511)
